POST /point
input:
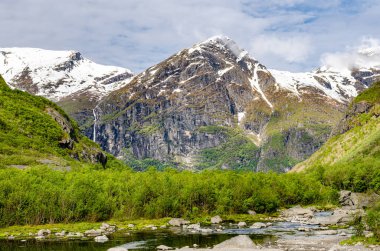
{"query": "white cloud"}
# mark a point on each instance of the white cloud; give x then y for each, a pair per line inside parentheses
(365, 55)
(284, 34)
(290, 48)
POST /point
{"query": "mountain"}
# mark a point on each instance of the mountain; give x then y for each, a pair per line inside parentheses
(65, 77)
(35, 131)
(214, 106)
(208, 106)
(356, 139)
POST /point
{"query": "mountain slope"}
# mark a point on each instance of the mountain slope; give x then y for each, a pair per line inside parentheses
(213, 105)
(357, 137)
(65, 77)
(35, 131)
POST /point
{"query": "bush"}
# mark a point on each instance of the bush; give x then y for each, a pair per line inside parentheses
(42, 195)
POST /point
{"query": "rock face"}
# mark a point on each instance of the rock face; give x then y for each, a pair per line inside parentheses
(347, 122)
(214, 98)
(357, 200)
(177, 222)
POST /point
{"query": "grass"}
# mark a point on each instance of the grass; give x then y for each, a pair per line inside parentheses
(139, 224)
(30, 133)
(361, 239)
(371, 95)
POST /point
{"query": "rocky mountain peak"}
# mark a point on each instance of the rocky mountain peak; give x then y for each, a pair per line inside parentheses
(221, 44)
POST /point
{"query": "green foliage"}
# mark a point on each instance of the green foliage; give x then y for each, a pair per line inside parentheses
(373, 220)
(281, 160)
(28, 134)
(238, 152)
(42, 195)
(359, 176)
(358, 225)
(351, 161)
(3, 85)
(371, 95)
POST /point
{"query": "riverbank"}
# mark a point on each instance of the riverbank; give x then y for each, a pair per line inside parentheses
(31, 231)
(290, 229)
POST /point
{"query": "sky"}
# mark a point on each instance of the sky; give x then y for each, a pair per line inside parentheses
(293, 35)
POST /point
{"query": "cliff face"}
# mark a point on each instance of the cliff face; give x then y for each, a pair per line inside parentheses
(213, 103)
(161, 113)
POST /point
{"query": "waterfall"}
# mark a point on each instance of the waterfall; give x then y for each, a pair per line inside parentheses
(94, 130)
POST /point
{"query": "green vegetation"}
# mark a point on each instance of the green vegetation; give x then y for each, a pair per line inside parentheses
(351, 160)
(42, 182)
(238, 152)
(43, 195)
(371, 95)
(373, 220)
(31, 133)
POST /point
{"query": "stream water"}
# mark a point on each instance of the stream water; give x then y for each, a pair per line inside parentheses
(175, 237)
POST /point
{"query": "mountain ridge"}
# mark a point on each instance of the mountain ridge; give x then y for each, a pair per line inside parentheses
(214, 96)
(221, 87)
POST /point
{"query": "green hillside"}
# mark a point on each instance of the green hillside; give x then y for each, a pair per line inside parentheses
(351, 158)
(35, 131)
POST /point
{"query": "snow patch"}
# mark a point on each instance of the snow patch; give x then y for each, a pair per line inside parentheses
(254, 81)
(335, 83)
(241, 116)
(222, 72)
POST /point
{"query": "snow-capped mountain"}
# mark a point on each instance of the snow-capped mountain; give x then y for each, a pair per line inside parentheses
(58, 74)
(211, 105)
(66, 77)
(197, 101)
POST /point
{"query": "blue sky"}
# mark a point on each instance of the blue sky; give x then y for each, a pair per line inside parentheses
(294, 35)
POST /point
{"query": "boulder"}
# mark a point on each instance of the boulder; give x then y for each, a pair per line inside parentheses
(240, 241)
(339, 216)
(131, 225)
(258, 225)
(61, 234)
(117, 249)
(194, 226)
(298, 211)
(251, 212)
(206, 230)
(325, 232)
(101, 238)
(74, 235)
(216, 220)
(357, 200)
(92, 233)
(104, 226)
(177, 222)
(163, 247)
(43, 232)
(242, 224)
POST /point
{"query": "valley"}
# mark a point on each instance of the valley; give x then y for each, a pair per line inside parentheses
(208, 131)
